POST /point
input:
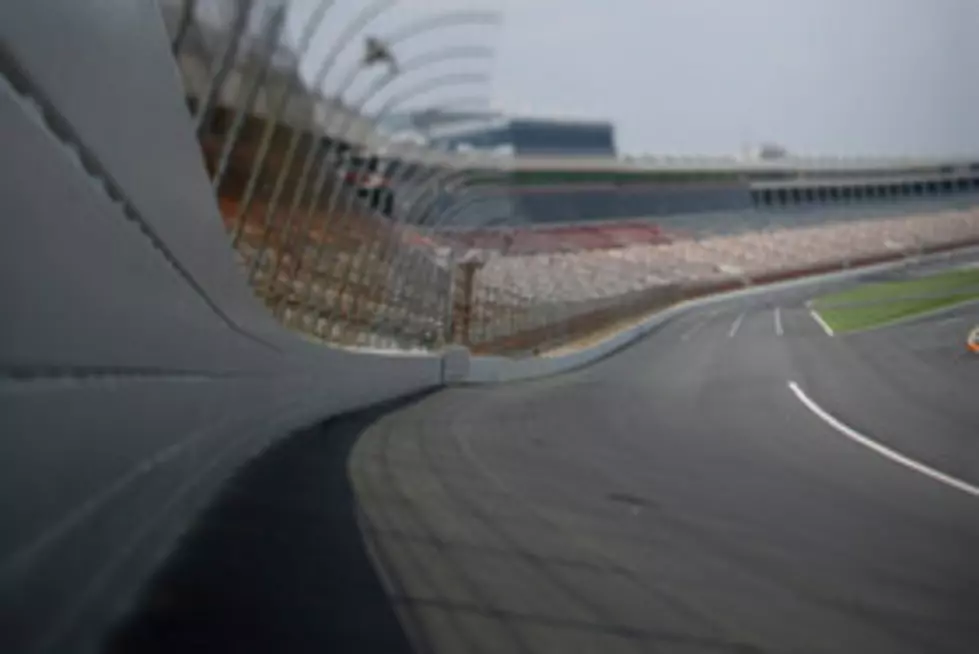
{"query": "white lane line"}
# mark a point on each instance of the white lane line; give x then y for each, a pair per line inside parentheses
(778, 321)
(822, 323)
(694, 329)
(884, 451)
(736, 325)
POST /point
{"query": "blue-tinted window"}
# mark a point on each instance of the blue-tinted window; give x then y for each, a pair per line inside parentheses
(539, 137)
(533, 137)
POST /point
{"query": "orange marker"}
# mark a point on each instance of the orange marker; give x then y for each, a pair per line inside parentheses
(972, 341)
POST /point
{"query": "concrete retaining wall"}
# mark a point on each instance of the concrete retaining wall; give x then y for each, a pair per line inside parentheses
(136, 369)
(495, 369)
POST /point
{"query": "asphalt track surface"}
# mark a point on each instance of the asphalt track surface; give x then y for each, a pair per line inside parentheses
(678, 496)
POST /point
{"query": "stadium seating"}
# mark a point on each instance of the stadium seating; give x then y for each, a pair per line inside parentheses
(588, 273)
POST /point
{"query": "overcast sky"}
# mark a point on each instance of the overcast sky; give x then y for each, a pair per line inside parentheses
(708, 76)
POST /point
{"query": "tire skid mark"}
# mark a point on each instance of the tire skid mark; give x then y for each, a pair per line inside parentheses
(411, 508)
(723, 638)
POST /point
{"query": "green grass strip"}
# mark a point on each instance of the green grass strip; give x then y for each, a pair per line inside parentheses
(874, 305)
(955, 282)
(851, 319)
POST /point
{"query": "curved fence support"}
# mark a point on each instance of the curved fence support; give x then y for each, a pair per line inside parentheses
(136, 367)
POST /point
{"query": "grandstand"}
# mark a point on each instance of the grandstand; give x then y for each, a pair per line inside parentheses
(560, 172)
(608, 272)
(556, 225)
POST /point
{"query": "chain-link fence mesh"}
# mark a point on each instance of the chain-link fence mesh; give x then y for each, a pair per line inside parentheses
(322, 206)
(353, 235)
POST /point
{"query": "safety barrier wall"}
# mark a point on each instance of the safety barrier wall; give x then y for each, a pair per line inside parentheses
(531, 302)
(501, 369)
(138, 369)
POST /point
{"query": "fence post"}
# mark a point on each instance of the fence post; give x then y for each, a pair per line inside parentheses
(467, 268)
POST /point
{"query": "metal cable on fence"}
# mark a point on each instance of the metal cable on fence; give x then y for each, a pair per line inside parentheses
(469, 202)
(289, 244)
(402, 176)
(392, 242)
(247, 94)
(404, 272)
(421, 28)
(184, 22)
(427, 86)
(397, 275)
(410, 273)
(363, 19)
(272, 121)
(332, 147)
(225, 65)
(439, 57)
(434, 180)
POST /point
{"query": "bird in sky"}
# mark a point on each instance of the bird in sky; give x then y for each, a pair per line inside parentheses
(377, 51)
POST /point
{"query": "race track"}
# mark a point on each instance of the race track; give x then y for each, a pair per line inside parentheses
(737, 482)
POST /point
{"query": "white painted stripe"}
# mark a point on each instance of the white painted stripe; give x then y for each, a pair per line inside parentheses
(695, 328)
(884, 451)
(778, 321)
(736, 325)
(822, 323)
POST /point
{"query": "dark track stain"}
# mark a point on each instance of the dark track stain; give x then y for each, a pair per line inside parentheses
(631, 500)
(276, 564)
